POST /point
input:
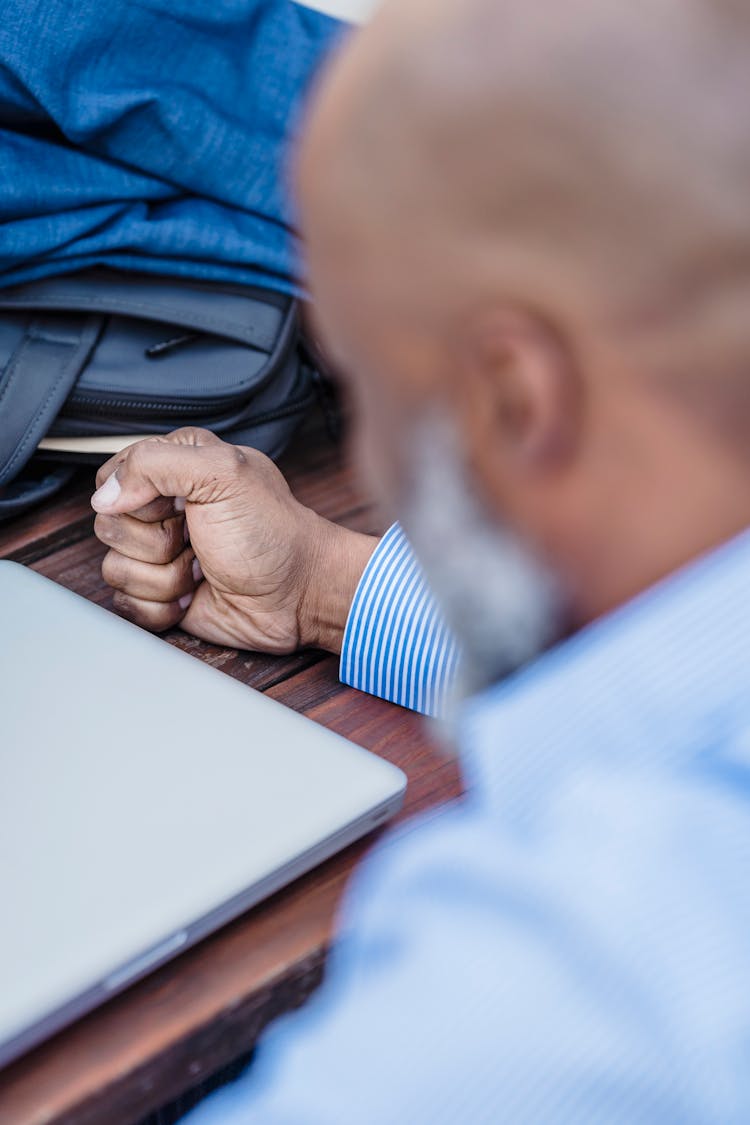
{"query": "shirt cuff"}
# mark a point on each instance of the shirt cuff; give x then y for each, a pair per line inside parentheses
(396, 643)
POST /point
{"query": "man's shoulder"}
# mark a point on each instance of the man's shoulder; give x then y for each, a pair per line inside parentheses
(593, 956)
(645, 869)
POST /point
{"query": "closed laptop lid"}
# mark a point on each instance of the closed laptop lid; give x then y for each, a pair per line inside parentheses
(145, 798)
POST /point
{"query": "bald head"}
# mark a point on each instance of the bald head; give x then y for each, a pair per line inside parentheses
(589, 158)
(535, 216)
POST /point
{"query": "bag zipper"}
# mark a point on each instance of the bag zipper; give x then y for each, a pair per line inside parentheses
(83, 405)
(93, 405)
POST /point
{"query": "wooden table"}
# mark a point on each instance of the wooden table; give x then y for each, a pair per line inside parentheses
(207, 1008)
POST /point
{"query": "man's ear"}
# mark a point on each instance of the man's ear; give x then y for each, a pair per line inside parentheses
(523, 390)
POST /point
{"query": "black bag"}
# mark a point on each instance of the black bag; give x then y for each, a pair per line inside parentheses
(108, 353)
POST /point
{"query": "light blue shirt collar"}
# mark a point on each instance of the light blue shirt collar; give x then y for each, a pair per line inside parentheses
(660, 682)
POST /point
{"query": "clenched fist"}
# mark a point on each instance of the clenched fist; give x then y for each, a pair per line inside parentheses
(208, 535)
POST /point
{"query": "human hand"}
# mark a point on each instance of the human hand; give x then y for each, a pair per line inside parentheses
(208, 535)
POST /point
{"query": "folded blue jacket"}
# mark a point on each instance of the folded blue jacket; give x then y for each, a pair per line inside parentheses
(152, 135)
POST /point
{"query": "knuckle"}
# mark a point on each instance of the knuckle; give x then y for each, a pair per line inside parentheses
(165, 546)
(185, 434)
(105, 471)
(193, 435)
(177, 572)
(139, 453)
(126, 607)
(229, 461)
(113, 570)
(136, 454)
(250, 456)
(260, 463)
(154, 617)
(108, 529)
(163, 617)
(262, 466)
(165, 582)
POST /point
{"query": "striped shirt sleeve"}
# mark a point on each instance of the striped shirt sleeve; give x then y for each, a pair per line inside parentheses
(396, 644)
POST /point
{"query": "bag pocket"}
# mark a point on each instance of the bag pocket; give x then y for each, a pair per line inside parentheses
(163, 354)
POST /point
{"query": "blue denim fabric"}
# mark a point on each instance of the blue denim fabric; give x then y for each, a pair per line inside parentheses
(152, 135)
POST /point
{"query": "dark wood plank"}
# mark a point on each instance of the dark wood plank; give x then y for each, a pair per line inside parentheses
(64, 520)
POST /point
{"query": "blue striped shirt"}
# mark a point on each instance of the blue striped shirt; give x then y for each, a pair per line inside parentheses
(396, 644)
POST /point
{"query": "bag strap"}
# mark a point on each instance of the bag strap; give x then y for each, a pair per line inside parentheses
(36, 382)
(247, 317)
(26, 491)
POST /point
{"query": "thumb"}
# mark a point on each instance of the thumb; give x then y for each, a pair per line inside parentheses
(151, 469)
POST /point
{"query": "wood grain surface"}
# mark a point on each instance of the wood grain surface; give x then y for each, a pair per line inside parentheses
(207, 1007)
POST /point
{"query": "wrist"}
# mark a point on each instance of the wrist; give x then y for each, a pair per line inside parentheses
(336, 564)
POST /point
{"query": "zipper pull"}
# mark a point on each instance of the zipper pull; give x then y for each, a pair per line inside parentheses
(156, 351)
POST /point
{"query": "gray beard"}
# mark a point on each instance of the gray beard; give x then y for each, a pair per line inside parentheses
(502, 605)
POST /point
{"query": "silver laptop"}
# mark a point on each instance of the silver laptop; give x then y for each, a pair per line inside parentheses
(145, 799)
